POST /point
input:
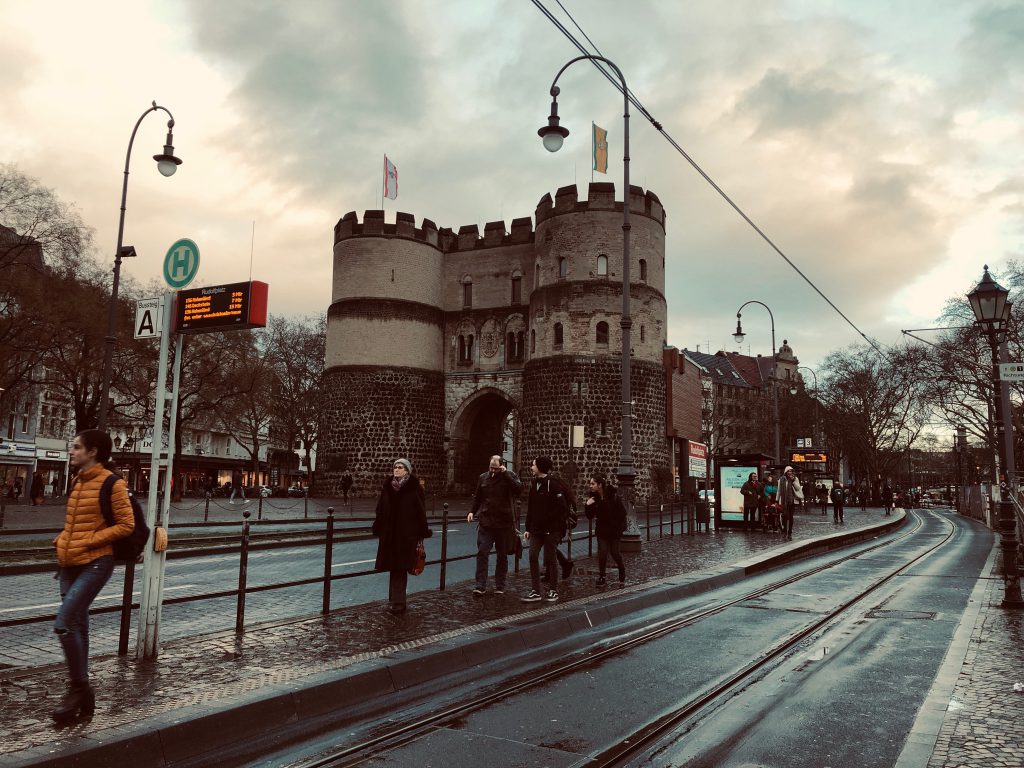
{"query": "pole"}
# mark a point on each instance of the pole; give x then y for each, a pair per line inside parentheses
(328, 558)
(146, 643)
(1007, 519)
(444, 546)
(243, 572)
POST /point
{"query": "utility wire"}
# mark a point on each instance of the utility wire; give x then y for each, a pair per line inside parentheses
(643, 110)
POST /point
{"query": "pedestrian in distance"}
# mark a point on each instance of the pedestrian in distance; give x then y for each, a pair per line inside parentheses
(546, 513)
(237, 488)
(346, 485)
(86, 559)
(838, 500)
(887, 499)
(771, 519)
(790, 495)
(823, 498)
(56, 488)
(752, 495)
(494, 507)
(19, 486)
(605, 507)
(400, 524)
(37, 491)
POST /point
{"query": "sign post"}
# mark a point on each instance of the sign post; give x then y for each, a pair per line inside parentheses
(1011, 371)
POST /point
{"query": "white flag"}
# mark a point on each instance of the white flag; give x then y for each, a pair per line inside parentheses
(390, 179)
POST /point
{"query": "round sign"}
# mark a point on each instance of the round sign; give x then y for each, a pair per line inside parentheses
(181, 263)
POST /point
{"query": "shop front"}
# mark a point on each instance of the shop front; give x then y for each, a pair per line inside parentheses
(17, 463)
(53, 463)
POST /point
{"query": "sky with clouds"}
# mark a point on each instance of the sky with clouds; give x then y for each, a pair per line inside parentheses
(880, 145)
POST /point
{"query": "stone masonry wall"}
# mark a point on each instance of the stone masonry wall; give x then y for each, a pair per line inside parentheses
(560, 392)
(372, 415)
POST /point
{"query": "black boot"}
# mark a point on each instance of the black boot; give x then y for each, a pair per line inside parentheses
(79, 700)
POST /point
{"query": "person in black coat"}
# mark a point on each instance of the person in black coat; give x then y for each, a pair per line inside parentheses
(605, 505)
(401, 523)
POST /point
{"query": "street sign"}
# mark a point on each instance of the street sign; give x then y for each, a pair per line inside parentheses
(1011, 371)
(181, 263)
(221, 308)
(147, 318)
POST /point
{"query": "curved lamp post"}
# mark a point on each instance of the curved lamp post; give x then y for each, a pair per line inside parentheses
(794, 389)
(167, 164)
(553, 135)
(739, 335)
(992, 314)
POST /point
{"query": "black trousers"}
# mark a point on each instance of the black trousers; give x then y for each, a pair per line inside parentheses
(837, 511)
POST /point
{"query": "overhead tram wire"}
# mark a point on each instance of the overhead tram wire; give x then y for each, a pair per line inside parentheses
(643, 110)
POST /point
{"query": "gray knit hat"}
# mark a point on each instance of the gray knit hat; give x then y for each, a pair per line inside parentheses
(406, 463)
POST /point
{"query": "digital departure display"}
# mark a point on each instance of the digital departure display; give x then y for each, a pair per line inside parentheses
(808, 457)
(221, 308)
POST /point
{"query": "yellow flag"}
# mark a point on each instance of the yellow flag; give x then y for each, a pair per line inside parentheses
(600, 149)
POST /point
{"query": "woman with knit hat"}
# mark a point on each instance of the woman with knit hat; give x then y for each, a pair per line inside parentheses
(400, 524)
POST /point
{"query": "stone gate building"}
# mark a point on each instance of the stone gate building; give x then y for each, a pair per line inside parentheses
(449, 347)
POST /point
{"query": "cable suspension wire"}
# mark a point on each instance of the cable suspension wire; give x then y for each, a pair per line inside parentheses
(657, 125)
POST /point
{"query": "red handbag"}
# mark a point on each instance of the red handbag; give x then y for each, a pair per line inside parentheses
(421, 560)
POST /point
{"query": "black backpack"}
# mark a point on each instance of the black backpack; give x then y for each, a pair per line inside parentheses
(128, 549)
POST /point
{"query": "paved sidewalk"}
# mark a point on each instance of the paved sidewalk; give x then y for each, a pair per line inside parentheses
(215, 673)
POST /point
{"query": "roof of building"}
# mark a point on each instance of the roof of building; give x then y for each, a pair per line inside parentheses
(719, 366)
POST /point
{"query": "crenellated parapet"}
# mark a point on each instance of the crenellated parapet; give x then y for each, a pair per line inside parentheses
(600, 197)
(374, 225)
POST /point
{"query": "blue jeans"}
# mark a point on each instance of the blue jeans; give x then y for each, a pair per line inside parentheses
(485, 539)
(549, 543)
(79, 585)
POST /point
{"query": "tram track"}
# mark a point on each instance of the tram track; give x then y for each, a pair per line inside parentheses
(389, 738)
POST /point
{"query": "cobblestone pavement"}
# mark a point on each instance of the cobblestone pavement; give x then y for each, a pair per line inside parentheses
(984, 724)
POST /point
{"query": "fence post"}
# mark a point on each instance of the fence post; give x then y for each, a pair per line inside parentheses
(328, 557)
(243, 572)
(206, 511)
(590, 537)
(444, 545)
(305, 504)
(661, 517)
(648, 516)
(259, 510)
(126, 608)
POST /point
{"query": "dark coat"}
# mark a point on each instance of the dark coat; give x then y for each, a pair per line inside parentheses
(401, 522)
(610, 514)
(495, 499)
(548, 506)
(752, 493)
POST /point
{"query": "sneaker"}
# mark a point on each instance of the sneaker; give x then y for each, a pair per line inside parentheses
(479, 590)
(499, 590)
(601, 581)
(533, 596)
(551, 596)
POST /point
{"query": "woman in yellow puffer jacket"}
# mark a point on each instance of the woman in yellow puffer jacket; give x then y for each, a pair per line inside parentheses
(86, 557)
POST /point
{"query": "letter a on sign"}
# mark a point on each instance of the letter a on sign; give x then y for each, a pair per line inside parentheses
(147, 318)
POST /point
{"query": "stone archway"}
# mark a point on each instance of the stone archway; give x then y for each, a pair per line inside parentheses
(478, 432)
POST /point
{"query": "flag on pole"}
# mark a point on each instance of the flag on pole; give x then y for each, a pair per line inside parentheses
(390, 179)
(600, 149)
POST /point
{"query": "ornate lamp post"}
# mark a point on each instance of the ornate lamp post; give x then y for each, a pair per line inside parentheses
(992, 313)
(167, 164)
(739, 336)
(553, 135)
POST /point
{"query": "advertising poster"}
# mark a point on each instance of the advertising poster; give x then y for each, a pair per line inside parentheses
(730, 499)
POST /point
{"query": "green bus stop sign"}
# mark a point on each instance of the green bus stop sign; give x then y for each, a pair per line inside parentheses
(181, 263)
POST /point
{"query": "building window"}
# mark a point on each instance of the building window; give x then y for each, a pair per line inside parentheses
(517, 289)
(643, 333)
(536, 275)
(602, 266)
(10, 427)
(514, 347)
(533, 341)
(643, 270)
(558, 334)
(467, 292)
(465, 348)
(563, 267)
(602, 333)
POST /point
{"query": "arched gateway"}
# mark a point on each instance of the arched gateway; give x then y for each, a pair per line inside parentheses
(482, 426)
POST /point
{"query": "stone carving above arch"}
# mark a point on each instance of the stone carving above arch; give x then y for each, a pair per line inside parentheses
(490, 337)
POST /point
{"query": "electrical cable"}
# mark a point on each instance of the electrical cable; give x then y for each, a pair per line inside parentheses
(636, 103)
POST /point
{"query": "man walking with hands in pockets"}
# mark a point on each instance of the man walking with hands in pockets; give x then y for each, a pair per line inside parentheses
(494, 504)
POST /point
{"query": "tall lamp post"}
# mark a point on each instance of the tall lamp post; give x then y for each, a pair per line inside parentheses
(992, 313)
(553, 135)
(167, 164)
(793, 390)
(739, 336)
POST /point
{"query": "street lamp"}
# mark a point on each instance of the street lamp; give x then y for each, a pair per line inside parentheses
(739, 336)
(553, 135)
(992, 314)
(167, 164)
(793, 389)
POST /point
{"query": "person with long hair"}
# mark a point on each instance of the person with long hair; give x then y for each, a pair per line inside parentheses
(605, 505)
(86, 557)
(400, 524)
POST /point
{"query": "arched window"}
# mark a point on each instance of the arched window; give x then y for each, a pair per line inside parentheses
(563, 266)
(533, 341)
(643, 333)
(558, 334)
(602, 333)
(467, 292)
(643, 270)
(465, 348)
(602, 265)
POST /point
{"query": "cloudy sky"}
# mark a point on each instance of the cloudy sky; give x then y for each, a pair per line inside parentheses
(880, 145)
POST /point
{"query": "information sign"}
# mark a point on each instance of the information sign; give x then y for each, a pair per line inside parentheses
(181, 263)
(147, 318)
(808, 457)
(1011, 371)
(234, 306)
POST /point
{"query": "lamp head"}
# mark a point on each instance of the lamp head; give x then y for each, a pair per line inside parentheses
(988, 300)
(739, 335)
(167, 163)
(793, 390)
(553, 134)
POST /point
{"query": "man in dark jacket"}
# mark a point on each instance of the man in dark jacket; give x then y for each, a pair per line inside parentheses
(546, 513)
(494, 505)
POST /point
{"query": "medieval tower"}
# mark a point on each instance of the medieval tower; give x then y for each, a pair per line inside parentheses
(449, 347)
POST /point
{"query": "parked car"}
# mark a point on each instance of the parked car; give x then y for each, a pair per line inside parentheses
(266, 491)
(296, 492)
